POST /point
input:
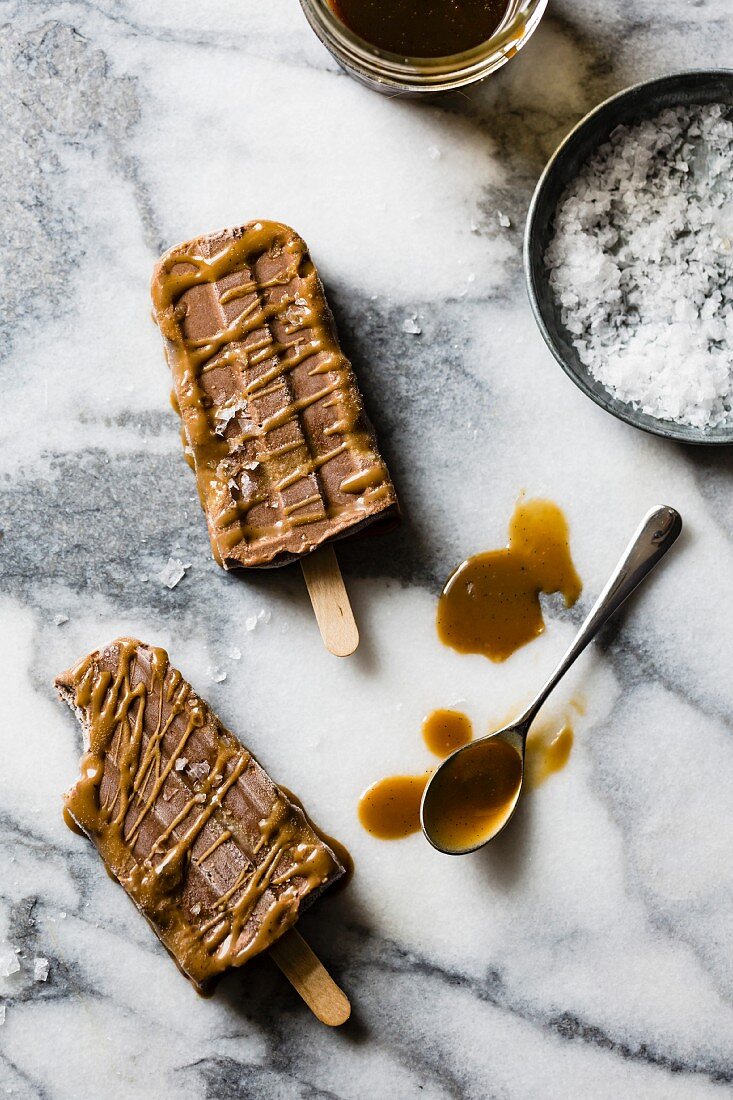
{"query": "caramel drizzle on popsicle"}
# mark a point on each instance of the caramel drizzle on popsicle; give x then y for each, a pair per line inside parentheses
(115, 713)
(214, 447)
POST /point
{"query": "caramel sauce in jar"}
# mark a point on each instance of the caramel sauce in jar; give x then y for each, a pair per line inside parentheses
(421, 28)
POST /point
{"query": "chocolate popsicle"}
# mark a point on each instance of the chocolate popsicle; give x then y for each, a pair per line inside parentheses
(216, 856)
(272, 419)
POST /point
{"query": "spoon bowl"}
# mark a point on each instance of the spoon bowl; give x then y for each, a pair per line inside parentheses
(477, 794)
(473, 794)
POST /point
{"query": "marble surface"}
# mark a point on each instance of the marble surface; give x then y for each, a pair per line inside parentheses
(589, 952)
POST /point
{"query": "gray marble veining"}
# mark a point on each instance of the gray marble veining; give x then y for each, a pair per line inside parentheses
(589, 953)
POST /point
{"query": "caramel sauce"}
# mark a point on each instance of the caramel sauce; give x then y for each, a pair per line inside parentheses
(548, 751)
(342, 853)
(422, 28)
(477, 795)
(390, 808)
(490, 604)
(444, 731)
(71, 824)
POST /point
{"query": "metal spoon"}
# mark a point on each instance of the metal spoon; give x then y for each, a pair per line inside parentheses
(657, 532)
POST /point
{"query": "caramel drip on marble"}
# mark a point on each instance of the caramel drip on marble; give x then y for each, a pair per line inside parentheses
(126, 725)
(390, 808)
(303, 316)
(490, 603)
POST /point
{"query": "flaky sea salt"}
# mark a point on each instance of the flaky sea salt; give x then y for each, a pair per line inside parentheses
(9, 964)
(251, 622)
(235, 653)
(411, 326)
(2, 1015)
(641, 264)
(180, 763)
(223, 415)
(59, 620)
(218, 675)
(503, 219)
(199, 770)
(173, 571)
(40, 969)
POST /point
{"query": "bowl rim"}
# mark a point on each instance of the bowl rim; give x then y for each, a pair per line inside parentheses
(667, 429)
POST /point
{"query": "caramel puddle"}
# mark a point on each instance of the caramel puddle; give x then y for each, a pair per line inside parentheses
(444, 731)
(390, 808)
(547, 752)
(490, 604)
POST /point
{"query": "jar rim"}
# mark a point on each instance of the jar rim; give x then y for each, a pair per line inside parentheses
(518, 22)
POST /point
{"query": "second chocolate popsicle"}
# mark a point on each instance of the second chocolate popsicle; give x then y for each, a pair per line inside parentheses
(218, 858)
(272, 418)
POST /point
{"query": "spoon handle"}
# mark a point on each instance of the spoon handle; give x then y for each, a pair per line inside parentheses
(657, 532)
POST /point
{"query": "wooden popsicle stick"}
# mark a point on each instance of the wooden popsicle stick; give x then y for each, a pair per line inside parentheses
(307, 974)
(330, 601)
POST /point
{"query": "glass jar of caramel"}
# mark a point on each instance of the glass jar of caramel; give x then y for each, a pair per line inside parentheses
(412, 47)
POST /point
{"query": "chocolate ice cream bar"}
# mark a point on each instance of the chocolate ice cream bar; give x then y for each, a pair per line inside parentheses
(272, 419)
(217, 857)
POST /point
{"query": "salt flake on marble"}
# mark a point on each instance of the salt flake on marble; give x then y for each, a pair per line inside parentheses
(411, 326)
(503, 219)
(250, 622)
(2, 1015)
(235, 653)
(59, 620)
(217, 675)
(264, 616)
(40, 969)
(9, 964)
(173, 571)
(434, 152)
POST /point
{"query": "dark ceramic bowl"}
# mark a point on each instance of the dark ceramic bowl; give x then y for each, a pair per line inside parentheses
(637, 103)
